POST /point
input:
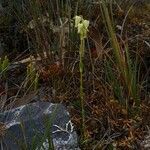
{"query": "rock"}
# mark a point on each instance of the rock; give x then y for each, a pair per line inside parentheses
(38, 126)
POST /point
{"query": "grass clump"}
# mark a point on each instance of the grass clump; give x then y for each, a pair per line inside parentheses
(125, 81)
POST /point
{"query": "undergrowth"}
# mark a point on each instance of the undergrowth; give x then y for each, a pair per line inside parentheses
(103, 75)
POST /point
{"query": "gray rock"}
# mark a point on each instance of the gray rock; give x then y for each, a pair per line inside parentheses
(38, 126)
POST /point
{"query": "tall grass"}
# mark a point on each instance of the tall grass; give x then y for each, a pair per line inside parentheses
(122, 71)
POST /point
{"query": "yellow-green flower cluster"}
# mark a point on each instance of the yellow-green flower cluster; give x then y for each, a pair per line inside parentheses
(82, 26)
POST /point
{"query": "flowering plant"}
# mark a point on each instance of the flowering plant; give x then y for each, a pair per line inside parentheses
(82, 26)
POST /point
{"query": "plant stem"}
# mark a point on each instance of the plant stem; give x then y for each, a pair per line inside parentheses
(81, 87)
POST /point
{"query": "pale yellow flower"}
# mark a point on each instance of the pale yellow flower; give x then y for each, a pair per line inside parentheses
(86, 24)
(80, 27)
(78, 19)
